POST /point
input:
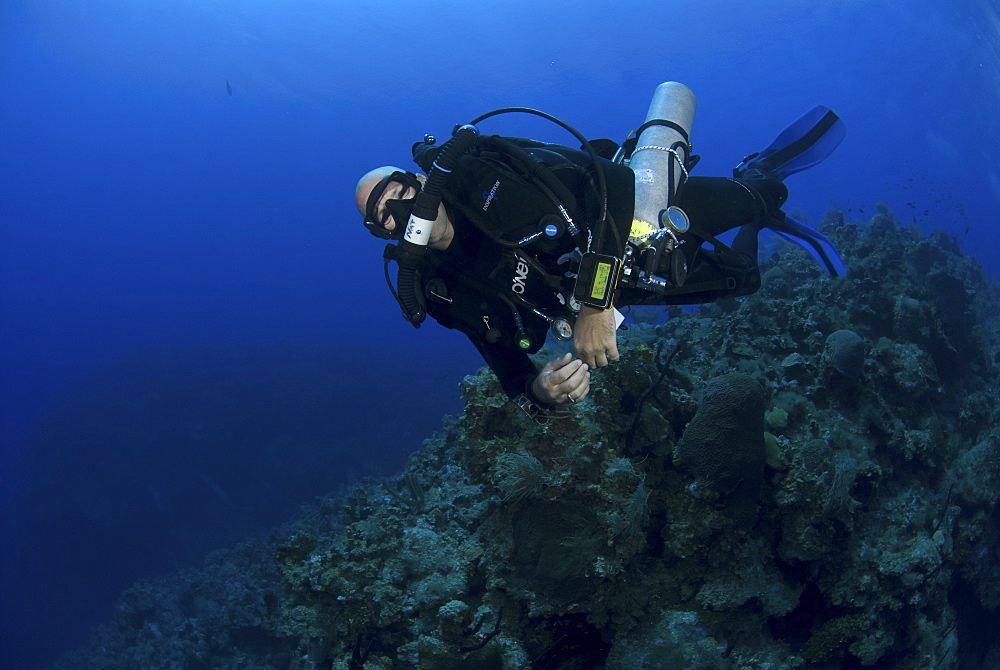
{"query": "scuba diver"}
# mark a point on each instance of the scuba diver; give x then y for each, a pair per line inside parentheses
(508, 239)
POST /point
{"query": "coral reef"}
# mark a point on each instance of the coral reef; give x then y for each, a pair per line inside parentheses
(846, 430)
(723, 445)
(845, 352)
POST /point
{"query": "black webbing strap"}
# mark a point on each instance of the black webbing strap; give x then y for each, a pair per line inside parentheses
(633, 139)
(665, 123)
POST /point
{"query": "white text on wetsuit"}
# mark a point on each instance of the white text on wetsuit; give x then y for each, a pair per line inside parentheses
(520, 277)
(492, 194)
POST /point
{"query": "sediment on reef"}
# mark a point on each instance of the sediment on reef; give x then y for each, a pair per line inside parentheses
(842, 514)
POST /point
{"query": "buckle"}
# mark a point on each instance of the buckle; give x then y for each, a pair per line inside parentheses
(538, 413)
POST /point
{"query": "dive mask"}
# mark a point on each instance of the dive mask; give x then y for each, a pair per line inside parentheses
(397, 208)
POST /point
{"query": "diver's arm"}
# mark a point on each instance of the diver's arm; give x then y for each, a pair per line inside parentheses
(595, 336)
(562, 380)
(513, 369)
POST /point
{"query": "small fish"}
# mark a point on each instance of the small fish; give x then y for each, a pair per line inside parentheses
(229, 89)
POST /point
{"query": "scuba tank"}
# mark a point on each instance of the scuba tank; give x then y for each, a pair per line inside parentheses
(661, 159)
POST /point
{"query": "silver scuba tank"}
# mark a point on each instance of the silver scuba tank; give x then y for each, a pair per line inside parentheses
(659, 161)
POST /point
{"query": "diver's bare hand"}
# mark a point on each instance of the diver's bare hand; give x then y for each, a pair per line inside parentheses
(594, 336)
(562, 380)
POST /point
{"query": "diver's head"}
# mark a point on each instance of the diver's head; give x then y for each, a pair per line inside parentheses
(385, 198)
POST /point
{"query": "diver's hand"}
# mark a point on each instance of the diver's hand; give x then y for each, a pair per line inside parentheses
(594, 336)
(562, 380)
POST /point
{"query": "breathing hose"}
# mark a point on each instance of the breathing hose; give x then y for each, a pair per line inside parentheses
(412, 248)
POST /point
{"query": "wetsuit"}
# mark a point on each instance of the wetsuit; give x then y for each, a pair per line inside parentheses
(477, 283)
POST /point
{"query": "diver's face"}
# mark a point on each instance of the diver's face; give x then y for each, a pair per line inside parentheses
(394, 191)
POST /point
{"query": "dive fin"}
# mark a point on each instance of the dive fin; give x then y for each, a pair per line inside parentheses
(816, 243)
(801, 145)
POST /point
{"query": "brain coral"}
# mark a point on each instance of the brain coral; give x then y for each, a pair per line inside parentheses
(845, 351)
(723, 445)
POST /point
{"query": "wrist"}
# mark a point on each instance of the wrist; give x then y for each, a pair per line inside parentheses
(587, 311)
(534, 392)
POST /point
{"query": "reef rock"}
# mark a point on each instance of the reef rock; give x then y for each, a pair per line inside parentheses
(845, 352)
(872, 539)
(723, 446)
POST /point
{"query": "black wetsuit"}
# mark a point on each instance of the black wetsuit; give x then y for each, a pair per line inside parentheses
(476, 278)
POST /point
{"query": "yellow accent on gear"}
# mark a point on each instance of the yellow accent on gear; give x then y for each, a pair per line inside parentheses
(641, 230)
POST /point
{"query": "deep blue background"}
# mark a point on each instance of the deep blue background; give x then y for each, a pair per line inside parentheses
(196, 337)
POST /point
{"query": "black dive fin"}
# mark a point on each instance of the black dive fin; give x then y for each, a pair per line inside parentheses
(816, 243)
(801, 145)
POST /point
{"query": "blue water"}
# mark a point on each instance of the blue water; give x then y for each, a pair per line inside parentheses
(196, 336)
